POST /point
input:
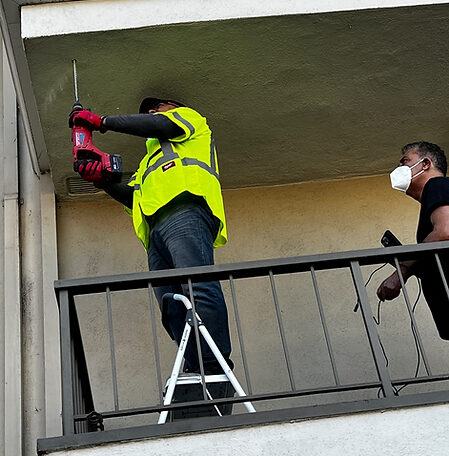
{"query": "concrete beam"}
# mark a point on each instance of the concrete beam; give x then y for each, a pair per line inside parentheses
(59, 18)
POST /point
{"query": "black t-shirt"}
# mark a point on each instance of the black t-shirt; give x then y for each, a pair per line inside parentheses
(435, 194)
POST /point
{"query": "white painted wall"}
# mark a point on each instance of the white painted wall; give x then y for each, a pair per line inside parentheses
(30, 402)
(93, 15)
(419, 432)
(10, 302)
(53, 425)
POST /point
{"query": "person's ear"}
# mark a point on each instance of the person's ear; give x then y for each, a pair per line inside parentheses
(427, 163)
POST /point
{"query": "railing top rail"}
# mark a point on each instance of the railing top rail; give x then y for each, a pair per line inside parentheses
(247, 269)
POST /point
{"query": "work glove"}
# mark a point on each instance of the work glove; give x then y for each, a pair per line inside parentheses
(91, 171)
(87, 119)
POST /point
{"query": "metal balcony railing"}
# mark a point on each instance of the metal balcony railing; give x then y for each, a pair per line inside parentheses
(80, 416)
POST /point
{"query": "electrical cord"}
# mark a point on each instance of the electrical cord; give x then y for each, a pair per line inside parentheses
(415, 337)
(378, 321)
(367, 282)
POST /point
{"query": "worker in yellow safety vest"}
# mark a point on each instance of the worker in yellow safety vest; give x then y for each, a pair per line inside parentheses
(176, 205)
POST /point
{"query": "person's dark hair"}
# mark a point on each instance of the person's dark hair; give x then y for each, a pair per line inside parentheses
(429, 150)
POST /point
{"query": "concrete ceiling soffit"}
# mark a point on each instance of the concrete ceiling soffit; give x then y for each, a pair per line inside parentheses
(290, 98)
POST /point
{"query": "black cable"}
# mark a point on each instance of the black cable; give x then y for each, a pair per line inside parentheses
(367, 282)
(415, 337)
(378, 321)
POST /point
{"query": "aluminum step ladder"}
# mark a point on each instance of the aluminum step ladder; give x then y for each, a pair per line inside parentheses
(177, 379)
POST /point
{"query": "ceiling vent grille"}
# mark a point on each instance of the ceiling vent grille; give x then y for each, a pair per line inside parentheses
(77, 186)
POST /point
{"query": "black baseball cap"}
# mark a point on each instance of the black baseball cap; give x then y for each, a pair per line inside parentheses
(149, 103)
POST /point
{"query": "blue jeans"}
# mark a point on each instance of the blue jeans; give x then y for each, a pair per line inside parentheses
(184, 238)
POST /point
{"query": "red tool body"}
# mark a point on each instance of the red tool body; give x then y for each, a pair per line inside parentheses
(83, 148)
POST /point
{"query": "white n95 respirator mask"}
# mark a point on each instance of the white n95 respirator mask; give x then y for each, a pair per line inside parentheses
(401, 177)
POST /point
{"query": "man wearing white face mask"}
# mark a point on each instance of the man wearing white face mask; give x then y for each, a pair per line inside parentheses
(421, 175)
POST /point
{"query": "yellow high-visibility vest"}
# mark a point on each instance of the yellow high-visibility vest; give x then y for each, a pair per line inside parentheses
(187, 163)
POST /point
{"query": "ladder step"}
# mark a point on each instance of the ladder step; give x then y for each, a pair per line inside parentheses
(189, 389)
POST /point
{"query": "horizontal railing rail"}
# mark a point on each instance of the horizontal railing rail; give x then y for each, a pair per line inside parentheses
(78, 403)
(247, 269)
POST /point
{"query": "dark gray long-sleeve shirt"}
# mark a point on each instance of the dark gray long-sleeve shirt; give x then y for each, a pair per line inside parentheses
(145, 126)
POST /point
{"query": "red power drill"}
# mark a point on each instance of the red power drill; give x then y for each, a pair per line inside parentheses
(83, 149)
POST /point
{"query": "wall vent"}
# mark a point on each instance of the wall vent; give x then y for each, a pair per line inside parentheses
(77, 186)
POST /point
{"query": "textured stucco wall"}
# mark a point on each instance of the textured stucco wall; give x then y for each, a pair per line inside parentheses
(97, 239)
(267, 222)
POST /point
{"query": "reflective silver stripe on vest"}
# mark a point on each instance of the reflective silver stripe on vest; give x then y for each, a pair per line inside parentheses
(195, 162)
(133, 178)
(185, 122)
(213, 163)
(168, 154)
(136, 187)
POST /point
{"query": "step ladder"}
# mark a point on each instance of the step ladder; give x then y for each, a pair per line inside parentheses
(177, 379)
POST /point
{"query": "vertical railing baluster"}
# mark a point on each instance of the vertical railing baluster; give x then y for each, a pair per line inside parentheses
(68, 425)
(84, 410)
(77, 390)
(81, 426)
(373, 336)
(82, 393)
(112, 349)
(155, 343)
(282, 332)
(412, 318)
(75, 384)
(197, 338)
(324, 325)
(240, 335)
(443, 277)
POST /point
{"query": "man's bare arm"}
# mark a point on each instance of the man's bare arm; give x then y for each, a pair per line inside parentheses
(391, 286)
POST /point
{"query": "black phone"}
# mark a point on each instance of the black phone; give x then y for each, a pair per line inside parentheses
(389, 239)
